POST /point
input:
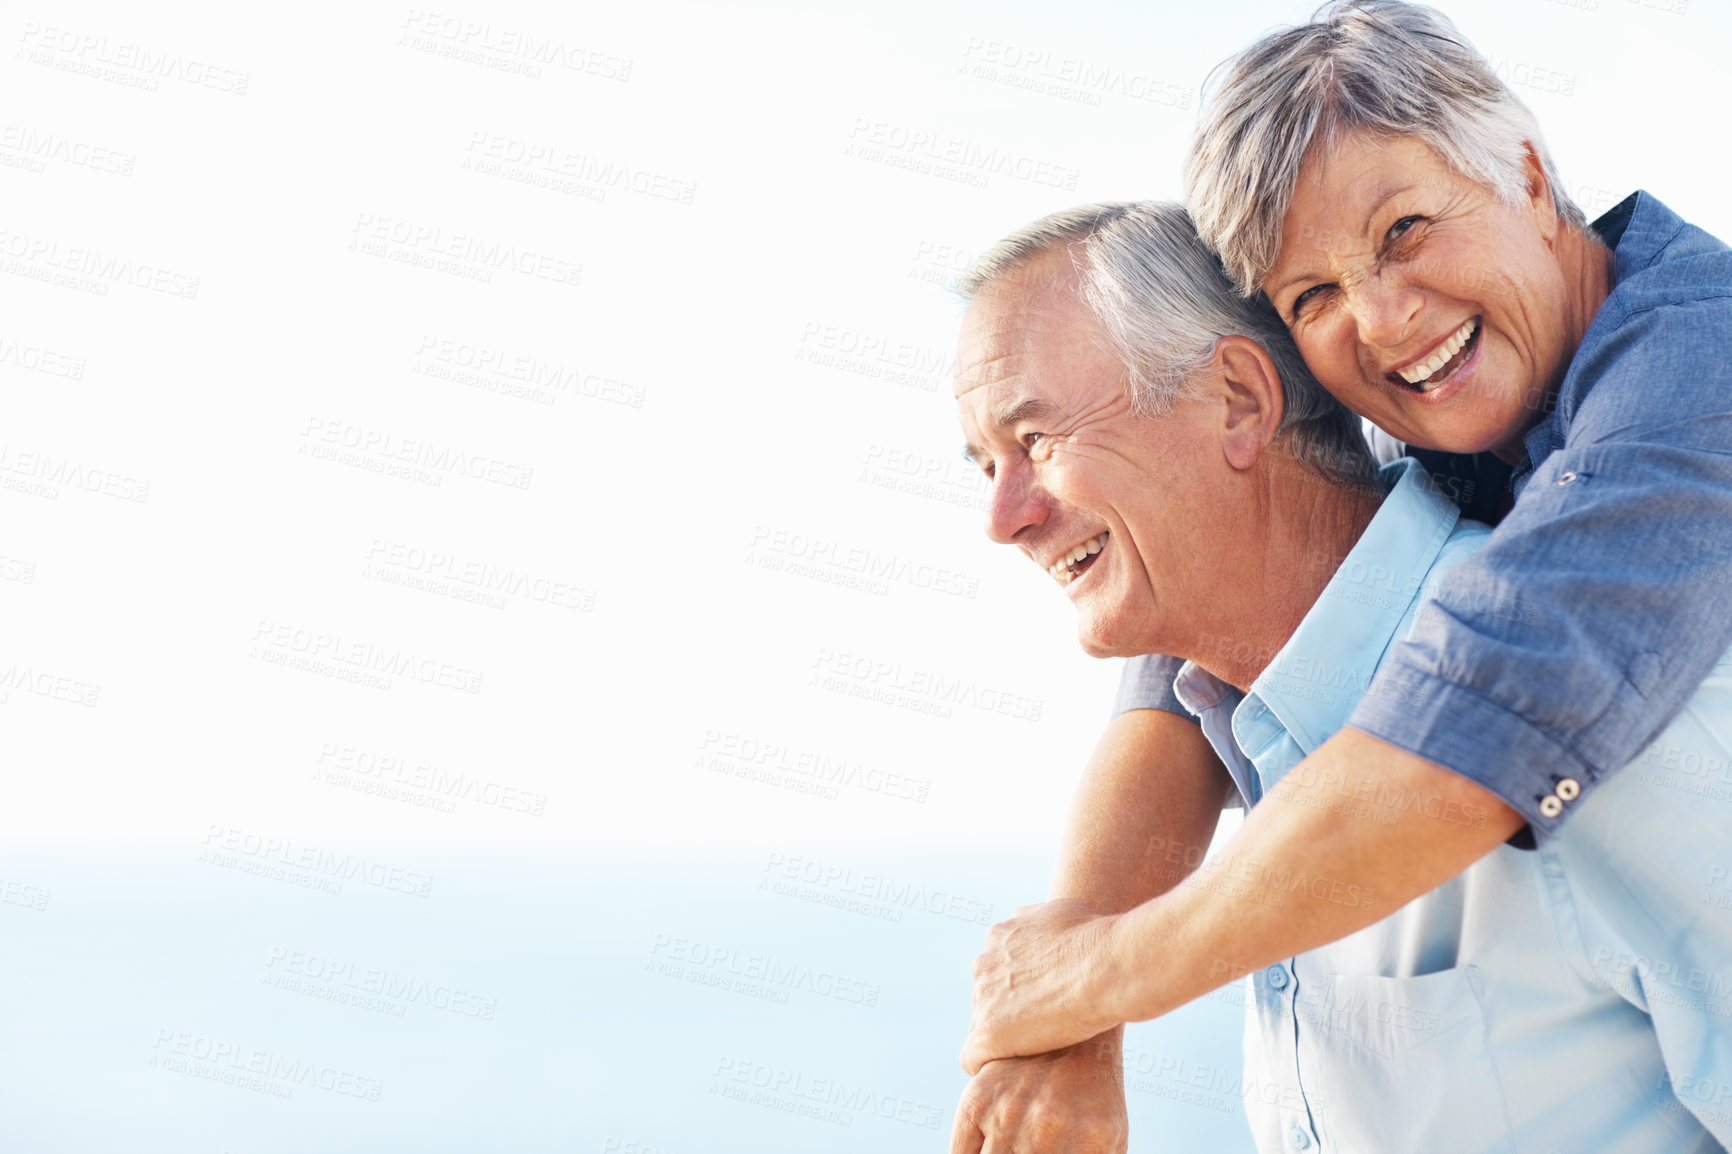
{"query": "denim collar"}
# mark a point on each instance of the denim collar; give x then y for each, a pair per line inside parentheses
(1638, 229)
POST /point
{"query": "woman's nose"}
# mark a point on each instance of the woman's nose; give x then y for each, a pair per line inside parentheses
(1384, 309)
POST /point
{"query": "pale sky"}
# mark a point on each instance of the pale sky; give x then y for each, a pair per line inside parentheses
(759, 205)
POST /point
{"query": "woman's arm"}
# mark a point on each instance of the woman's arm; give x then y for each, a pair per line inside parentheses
(1556, 653)
(1057, 973)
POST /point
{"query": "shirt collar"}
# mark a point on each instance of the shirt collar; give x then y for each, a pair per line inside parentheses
(1610, 226)
(1199, 690)
(1214, 703)
(1637, 230)
(1319, 675)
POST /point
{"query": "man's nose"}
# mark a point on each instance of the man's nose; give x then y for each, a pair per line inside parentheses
(1018, 501)
(1384, 309)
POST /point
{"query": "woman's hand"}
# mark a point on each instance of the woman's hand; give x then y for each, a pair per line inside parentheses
(1041, 983)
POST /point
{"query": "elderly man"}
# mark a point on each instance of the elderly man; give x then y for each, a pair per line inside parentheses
(1155, 443)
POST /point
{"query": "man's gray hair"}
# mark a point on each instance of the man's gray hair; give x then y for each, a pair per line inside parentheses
(1384, 67)
(1164, 300)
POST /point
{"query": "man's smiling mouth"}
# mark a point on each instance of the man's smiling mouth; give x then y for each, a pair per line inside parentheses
(1078, 560)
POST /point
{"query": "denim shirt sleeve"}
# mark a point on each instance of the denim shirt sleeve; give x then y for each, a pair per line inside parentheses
(1561, 648)
(1147, 683)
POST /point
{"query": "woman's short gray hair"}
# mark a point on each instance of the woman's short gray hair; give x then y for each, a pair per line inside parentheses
(1380, 66)
(1164, 301)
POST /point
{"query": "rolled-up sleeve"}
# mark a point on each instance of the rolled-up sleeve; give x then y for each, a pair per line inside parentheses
(1147, 683)
(1555, 654)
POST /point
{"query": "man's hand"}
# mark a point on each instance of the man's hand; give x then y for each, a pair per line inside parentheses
(1145, 811)
(1034, 987)
(1069, 1101)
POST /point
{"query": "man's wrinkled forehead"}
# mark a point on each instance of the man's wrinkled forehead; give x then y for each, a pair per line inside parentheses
(1012, 320)
(995, 350)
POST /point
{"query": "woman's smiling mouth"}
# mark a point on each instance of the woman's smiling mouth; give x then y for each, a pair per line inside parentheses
(1443, 363)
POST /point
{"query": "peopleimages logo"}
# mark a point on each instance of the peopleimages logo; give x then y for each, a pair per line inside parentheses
(441, 459)
(706, 962)
(525, 51)
(938, 154)
(106, 268)
(304, 971)
(224, 845)
(469, 255)
(252, 1067)
(121, 61)
(786, 873)
(1656, 974)
(280, 643)
(401, 777)
(806, 554)
(833, 1092)
(923, 690)
(1066, 77)
(778, 763)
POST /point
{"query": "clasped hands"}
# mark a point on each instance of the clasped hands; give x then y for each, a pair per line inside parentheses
(1043, 982)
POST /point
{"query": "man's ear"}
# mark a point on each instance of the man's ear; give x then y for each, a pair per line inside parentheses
(1254, 403)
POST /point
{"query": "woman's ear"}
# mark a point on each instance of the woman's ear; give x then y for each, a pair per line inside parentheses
(1539, 193)
(1253, 400)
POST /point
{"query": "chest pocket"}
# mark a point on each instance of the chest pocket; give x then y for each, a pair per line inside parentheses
(1399, 1063)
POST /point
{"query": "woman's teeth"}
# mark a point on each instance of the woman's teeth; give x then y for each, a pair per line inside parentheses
(1066, 571)
(1419, 373)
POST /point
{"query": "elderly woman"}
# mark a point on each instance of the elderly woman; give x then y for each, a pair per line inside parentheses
(1370, 175)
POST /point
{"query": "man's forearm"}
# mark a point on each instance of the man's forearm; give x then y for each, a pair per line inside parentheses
(1351, 834)
(1144, 813)
(1143, 817)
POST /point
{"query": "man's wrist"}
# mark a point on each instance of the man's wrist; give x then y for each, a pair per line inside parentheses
(1106, 1046)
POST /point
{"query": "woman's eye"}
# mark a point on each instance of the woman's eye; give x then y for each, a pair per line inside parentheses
(1310, 296)
(1401, 227)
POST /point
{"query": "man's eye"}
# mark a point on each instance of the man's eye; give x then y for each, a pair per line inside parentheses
(1028, 439)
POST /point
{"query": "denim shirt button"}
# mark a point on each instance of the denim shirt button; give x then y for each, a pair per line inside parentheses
(1567, 478)
(1298, 1138)
(1569, 789)
(1276, 977)
(1550, 805)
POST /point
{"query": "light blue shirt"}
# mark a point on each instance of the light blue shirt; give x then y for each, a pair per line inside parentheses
(1578, 998)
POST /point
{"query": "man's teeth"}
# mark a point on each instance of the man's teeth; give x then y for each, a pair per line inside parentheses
(1062, 571)
(1441, 357)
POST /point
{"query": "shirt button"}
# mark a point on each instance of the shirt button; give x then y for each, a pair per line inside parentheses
(1277, 978)
(1550, 805)
(1569, 789)
(1298, 1139)
(1567, 478)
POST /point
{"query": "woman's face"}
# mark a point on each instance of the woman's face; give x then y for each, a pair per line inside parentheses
(1422, 300)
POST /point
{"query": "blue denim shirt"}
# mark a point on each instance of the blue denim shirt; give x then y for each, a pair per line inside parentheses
(1604, 597)
(1537, 1001)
